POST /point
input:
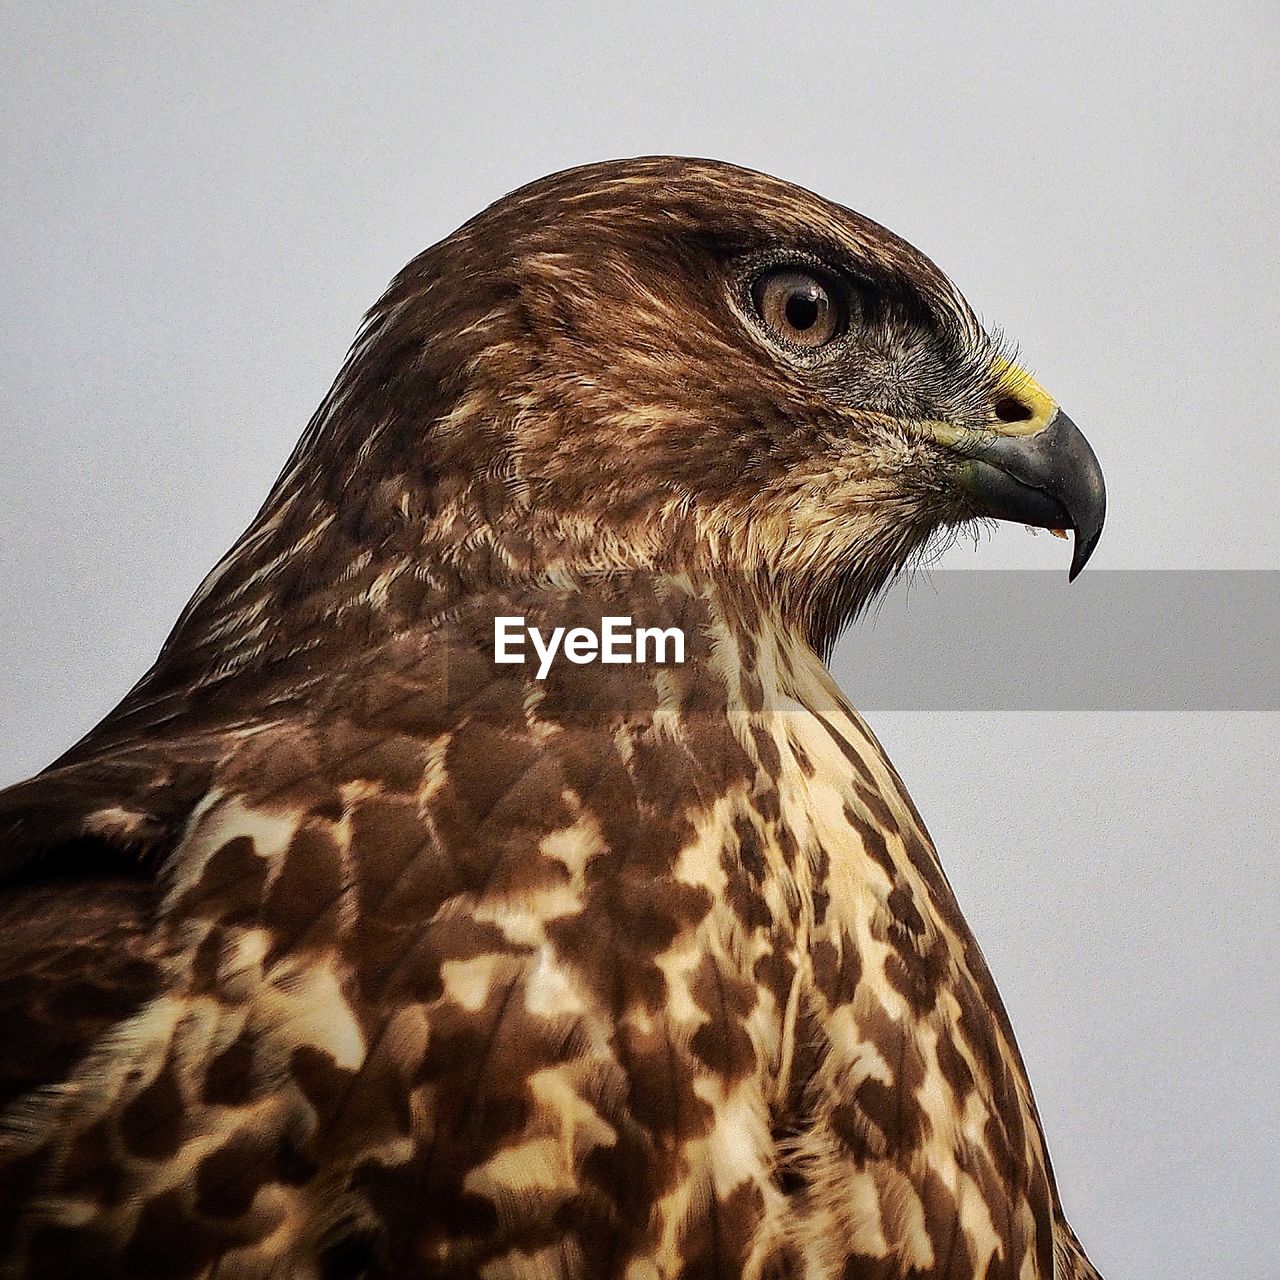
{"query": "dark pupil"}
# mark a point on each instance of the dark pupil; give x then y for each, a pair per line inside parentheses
(802, 309)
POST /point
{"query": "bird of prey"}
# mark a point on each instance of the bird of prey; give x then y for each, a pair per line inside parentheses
(350, 945)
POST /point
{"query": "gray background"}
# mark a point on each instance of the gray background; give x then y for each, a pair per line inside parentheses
(196, 210)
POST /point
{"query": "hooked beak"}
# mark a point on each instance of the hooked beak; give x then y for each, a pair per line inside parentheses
(1038, 470)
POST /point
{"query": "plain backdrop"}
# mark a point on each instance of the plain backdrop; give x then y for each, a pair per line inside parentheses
(199, 203)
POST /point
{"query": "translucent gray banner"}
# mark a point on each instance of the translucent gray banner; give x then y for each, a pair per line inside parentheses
(1117, 640)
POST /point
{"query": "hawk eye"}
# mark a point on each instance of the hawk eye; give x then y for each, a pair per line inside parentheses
(797, 306)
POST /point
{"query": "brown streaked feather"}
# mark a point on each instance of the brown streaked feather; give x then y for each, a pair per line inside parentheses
(61, 987)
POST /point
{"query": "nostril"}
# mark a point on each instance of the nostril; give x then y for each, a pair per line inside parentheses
(1011, 409)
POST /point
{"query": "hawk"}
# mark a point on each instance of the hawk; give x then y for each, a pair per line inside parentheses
(342, 949)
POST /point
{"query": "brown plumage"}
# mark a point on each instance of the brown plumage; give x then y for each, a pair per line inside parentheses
(339, 949)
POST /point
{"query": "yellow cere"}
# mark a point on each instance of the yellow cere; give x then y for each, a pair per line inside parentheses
(1024, 388)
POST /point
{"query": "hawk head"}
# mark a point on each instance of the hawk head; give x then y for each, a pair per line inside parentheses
(654, 364)
(662, 360)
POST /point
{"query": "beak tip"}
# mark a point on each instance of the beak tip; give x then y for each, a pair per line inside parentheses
(1087, 539)
(1080, 557)
(1089, 514)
